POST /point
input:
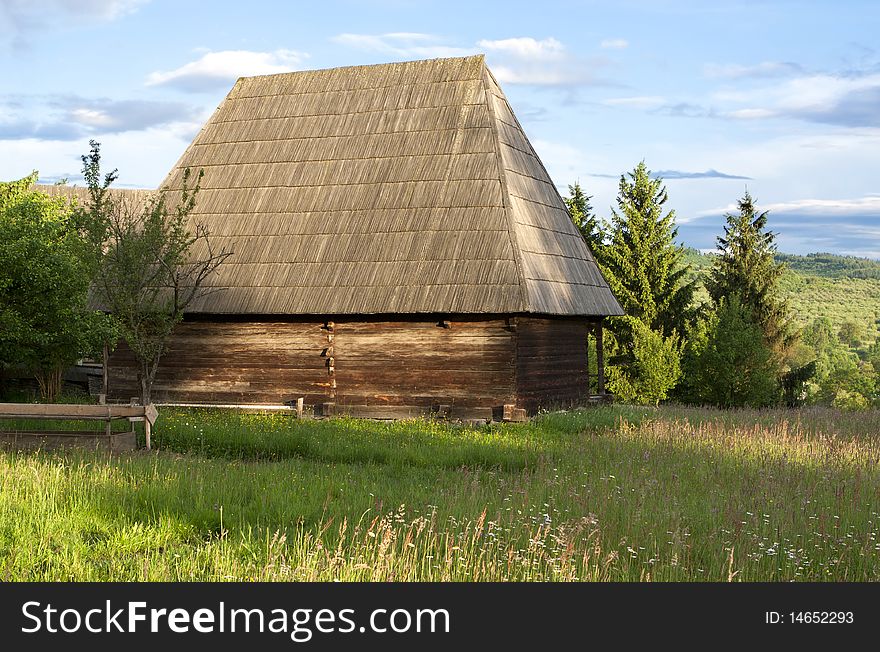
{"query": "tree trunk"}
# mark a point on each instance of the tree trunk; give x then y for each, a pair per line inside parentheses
(146, 387)
(147, 375)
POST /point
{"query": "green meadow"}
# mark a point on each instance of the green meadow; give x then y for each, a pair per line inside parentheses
(614, 493)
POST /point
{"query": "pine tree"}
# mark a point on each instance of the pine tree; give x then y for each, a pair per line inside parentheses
(745, 266)
(578, 204)
(641, 262)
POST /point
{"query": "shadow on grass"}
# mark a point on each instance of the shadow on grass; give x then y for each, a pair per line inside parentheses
(418, 442)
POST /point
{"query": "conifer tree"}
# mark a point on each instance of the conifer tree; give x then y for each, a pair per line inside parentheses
(578, 204)
(736, 367)
(745, 266)
(641, 262)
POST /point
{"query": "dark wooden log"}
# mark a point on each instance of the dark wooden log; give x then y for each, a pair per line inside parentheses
(551, 362)
(600, 360)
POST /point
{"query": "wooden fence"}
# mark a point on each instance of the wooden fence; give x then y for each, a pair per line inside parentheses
(28, 438)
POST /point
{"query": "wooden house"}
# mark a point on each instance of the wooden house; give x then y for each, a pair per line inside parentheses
(399, 249)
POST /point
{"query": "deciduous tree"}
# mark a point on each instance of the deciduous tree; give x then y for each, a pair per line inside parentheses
(45, 322)
(654, 369)
(151, 263)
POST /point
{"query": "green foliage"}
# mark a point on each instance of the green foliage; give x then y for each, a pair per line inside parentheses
(736, 368)
(578, 204)
(745, 266)
(841, 379)
(838, 287)
(146, 269)
(851, 384)
(852, 333)
(689, 388)
(824, 292)
(45, 322)
(820, 334)
(873, 356)
(795, 384)
(641, 262)
(840, 299)
(654, 370)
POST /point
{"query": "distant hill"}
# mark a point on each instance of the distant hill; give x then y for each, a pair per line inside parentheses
(831, 265)
(841, 288)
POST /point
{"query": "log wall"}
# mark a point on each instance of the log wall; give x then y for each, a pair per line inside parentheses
(231, 362)
(551, 363)
(466, 363)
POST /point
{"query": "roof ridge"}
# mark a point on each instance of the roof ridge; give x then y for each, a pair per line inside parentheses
(479, 55)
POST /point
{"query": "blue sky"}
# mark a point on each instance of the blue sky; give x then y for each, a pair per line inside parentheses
(782, 98)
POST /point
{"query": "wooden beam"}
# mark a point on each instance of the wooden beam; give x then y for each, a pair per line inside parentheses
(589, 382)
(56, 411)
(600, 360)
(104, 372)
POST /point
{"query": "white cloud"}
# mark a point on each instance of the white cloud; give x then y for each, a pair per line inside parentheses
(21, 18)
(548, 49)
(867, 205)
(849, 101)
(536, 75)
(215, 70)
(519, 60)
(614, 44)
(402, 45)
(749, 114)
(142, 157)
(91, 117)
(71, 117)
(545, 62)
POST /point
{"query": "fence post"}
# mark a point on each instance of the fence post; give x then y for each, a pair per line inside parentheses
(150, 415)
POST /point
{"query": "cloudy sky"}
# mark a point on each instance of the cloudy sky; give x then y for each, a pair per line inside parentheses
(780, 98)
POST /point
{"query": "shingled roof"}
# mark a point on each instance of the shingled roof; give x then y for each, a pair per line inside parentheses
(394, 188)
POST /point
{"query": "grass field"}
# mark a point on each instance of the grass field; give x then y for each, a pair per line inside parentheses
(611, 493)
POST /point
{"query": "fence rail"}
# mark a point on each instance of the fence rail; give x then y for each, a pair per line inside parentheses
(74, 412)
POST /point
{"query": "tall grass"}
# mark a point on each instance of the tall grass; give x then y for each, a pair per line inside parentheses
(605, 494)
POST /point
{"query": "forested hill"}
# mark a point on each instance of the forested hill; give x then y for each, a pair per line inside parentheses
(831, 265)
(842, 288)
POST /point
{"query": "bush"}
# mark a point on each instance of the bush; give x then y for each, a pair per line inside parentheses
(654, 370)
